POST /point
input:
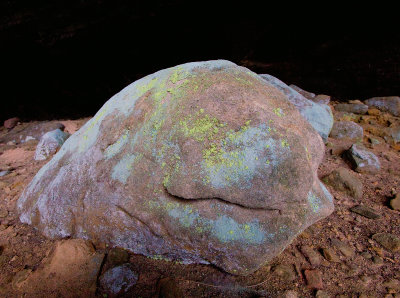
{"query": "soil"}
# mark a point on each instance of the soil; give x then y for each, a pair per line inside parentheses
(363, 273)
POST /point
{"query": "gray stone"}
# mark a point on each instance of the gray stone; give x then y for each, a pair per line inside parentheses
(50, 143)
(182, 165)
(357, 108)
(118, 280)
(4, 173)
(389, 104)
(306, 94)
(365, 211)
(363, 160)
(389, 241)
(347, 130)
(345, 180)
(318, 115)
(322, 99)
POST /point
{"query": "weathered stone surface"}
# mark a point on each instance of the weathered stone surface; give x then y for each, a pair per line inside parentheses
(347, 130)
(50, 143)
(363, 160)
(306, 94)
(389, 104)
(322, 99)
(365, 211)
(318, 115)
(313, 256)
(343, 247)
(204, 162)
(118, 280)
(344, 180)
(11, 123)
(357, 108)
(389, 241)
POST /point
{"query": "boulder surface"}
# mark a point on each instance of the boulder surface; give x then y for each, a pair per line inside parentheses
(202, 163)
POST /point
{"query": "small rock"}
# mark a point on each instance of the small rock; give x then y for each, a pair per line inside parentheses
(322, 99)
(356, 108)
(344, 180)
(118, 280)
(314, 279)
(3, 213)
(330, 255)
(4, 173)
(366, 255)
(374, 141)
(395, 133)
(322, 294)
(389, 241)
(365, 211)
(363, 161)
(49, 143)
(11, 123)
(312, 255)
(290, 294)
(306, 94)
(389, 104)
(395, 203)
(169, 289)
(286, 272)
(11, 143)
(347, 130)
(343, 247)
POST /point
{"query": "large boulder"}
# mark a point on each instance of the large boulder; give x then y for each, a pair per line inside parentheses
(389, 104)
(202, 163)
(318, 115)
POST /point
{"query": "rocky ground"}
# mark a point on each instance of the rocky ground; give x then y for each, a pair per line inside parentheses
(352, 253)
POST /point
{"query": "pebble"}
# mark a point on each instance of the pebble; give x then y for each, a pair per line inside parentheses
(377, 260)
(343, 247)
(345, 180)
(388, 241)
(285, 272)
(290, 294)
(366, 255)
(330, 255)
(314, 279)
(3, 173)
(395, 203)
(365, 211)
(312, 255)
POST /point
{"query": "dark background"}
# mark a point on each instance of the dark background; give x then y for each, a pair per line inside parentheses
(64, 59)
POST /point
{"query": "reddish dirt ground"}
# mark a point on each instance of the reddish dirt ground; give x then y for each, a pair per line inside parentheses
(363, 273)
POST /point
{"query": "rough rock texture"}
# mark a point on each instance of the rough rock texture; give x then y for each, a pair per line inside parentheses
(322, 99)
(11, 123)
(306, 94)
(389, 241)
(344, 180)
(363, 160)
(74, 264)
(347, 130)
(318, 115)
(389, 104)
(356, 108)
(204, 162)
(118, 280)
(50, 143)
